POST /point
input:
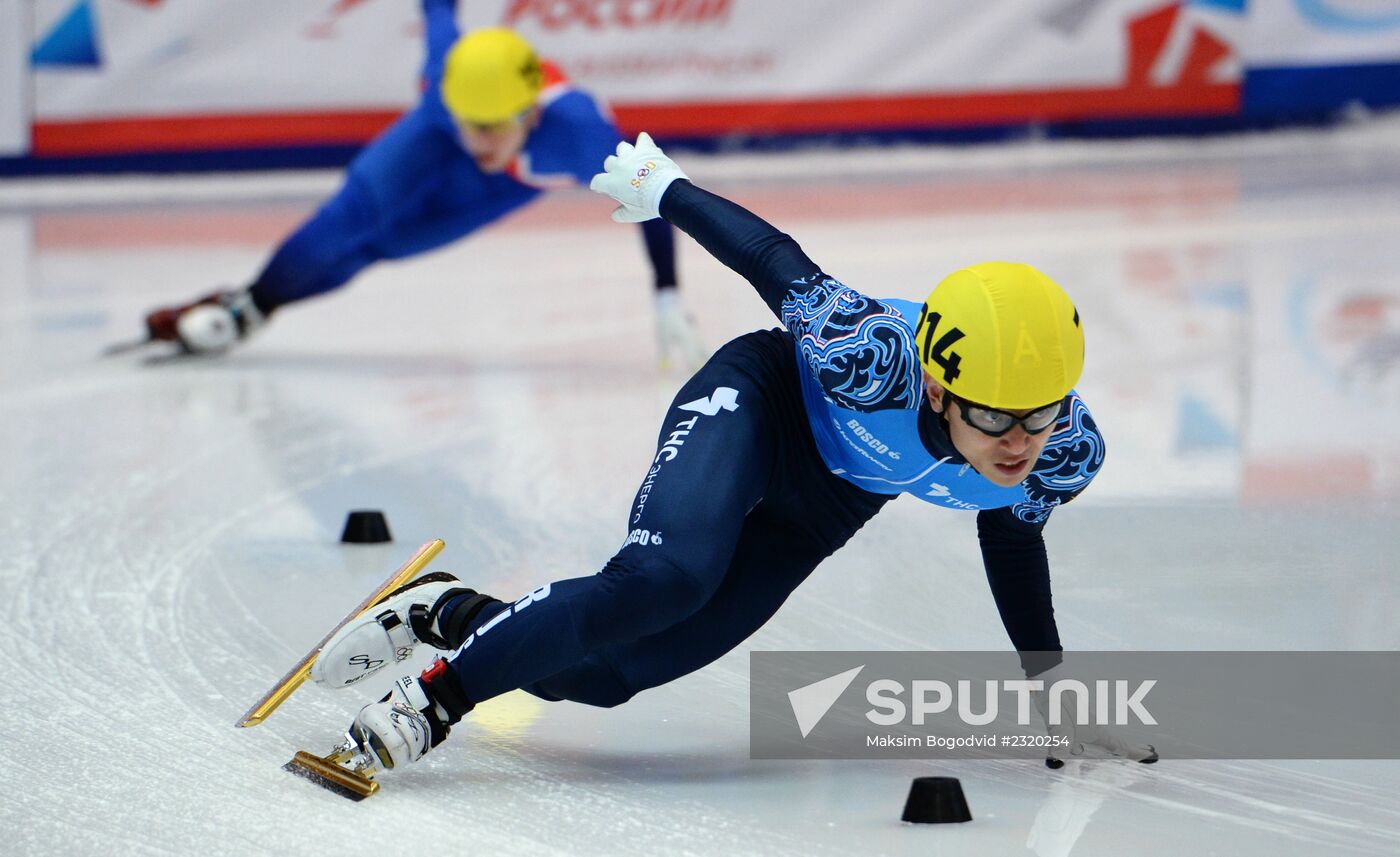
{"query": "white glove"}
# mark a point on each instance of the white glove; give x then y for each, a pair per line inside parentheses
(1087, 741)
(398, 729)
(676, 337)
(636, 176)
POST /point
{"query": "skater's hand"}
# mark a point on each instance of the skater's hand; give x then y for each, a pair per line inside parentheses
(1088, 741)
(677, 340)
(636, 177)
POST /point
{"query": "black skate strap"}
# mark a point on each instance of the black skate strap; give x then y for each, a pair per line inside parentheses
(463, 619)
(443, 689)
(422, 619)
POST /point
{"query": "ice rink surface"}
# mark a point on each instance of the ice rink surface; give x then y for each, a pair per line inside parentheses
(170, 532)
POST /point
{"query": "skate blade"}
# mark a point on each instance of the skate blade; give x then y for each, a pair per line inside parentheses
(299, 673)
(126, 347)
(180, 355)
(329, 775)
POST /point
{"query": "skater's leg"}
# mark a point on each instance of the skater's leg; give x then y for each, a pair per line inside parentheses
(464, 200)
(413, 189)
(769, 563)
(806, 514)
(712, 466)
(324, 252)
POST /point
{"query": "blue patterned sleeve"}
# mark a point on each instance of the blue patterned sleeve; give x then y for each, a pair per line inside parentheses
(1070, 461)
(860, 349)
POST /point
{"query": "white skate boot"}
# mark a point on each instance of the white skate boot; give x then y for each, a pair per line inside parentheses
(414, 717)
(209, 325)
(387, 632)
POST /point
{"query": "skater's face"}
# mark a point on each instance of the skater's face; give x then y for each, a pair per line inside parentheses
(494, 146)
(1004, 460)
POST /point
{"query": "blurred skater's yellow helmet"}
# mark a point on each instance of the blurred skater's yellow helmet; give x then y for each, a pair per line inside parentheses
(491, 75)
(1003, 335)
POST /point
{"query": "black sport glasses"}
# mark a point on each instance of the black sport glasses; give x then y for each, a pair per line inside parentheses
(994, 422)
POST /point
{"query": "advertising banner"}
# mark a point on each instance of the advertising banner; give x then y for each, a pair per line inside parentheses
(112, 77)
(14, 78)
(1322, 32)
(265, 72)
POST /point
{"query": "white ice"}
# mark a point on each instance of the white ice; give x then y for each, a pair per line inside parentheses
(169, 533)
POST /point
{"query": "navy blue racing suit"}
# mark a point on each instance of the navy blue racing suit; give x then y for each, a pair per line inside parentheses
(769, 459)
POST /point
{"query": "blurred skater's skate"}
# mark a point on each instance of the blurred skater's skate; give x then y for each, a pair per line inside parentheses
(206, 327)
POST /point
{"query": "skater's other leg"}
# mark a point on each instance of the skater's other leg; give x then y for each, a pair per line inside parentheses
(774, 555)
(712, 465)
(393, 180)
(805, 515)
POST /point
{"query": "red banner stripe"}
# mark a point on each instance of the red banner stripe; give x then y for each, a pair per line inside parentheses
(825, 115)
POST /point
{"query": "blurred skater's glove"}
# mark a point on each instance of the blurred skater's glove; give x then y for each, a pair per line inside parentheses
(1087, 741)
(636, 176)
(677, 340)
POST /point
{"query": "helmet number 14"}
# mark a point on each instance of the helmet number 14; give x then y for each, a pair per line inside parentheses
(938, 352)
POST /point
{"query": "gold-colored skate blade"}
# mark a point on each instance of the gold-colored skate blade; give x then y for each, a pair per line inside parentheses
(329, 775)
(298, 674)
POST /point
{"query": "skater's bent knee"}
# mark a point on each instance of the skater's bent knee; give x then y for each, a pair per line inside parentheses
(641, 597)
(590, 683)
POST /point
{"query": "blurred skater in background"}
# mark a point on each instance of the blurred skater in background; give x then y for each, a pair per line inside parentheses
(495, 128)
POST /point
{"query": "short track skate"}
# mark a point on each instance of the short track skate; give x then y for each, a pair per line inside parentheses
(348, 769)
(299, 673)
(169, 352)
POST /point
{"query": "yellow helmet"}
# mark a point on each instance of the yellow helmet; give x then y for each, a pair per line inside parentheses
(1003, 335)
(491, 75)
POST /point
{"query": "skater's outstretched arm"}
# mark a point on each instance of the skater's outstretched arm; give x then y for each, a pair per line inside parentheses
(859, 348)
(595, 138)
(592, 136)
(439, 32)
(747, 244)
(768, 258)
(1013, 553)
(1013, 549)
